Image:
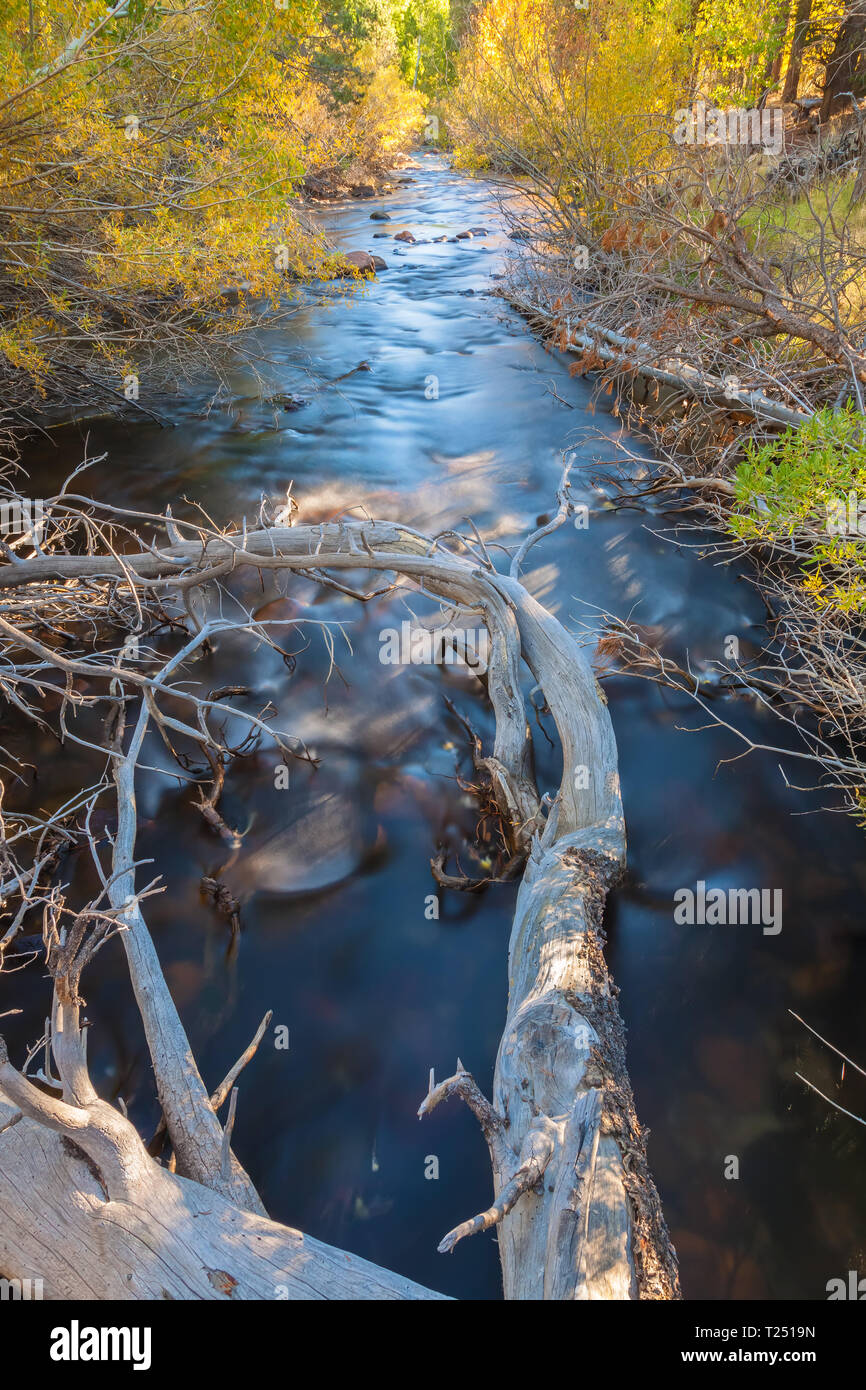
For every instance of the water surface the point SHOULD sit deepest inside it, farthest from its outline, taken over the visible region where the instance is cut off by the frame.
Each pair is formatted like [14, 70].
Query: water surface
[462, 413]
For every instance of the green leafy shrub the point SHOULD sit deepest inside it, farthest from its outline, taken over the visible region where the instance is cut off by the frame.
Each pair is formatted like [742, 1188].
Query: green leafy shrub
[806, 491]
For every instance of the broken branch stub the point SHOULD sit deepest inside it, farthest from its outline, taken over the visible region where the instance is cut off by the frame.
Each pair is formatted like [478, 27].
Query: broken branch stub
[577, 1212]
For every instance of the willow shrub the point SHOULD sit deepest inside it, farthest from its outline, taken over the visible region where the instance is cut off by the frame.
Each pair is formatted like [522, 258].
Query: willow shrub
[148, 158]
[549, 87]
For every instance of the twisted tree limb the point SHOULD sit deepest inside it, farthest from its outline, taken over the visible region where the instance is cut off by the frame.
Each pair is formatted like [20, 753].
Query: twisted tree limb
[577, 1212]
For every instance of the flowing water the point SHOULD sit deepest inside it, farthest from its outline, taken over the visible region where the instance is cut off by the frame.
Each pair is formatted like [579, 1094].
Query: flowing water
[459, 412]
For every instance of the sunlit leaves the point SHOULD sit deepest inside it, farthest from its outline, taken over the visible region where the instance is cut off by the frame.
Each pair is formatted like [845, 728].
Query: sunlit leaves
[149, 161]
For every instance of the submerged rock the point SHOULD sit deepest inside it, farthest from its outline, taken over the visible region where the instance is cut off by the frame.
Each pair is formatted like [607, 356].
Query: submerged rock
[318, 841]
[286, 401]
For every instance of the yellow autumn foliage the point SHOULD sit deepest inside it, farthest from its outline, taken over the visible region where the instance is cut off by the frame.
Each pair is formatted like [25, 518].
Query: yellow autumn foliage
[150, 160]
[546, 85]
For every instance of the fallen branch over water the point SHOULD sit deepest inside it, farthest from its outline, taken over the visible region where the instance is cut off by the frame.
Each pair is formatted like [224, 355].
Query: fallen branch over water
[579, 1215]
[813, 659]
[630, 357]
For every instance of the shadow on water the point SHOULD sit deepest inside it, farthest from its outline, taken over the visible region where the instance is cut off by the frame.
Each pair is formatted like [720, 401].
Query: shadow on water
[456, 417]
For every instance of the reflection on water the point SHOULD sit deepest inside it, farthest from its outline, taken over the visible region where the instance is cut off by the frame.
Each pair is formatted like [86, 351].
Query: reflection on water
[333, 873]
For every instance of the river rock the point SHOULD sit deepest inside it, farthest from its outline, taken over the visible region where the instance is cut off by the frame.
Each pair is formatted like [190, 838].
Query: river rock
[363, 261]
[312, 844]
[233, 294]
[404, 236]
[282, 610]
[364, 190]
[319, 188]
[286, 401]
[380, 216]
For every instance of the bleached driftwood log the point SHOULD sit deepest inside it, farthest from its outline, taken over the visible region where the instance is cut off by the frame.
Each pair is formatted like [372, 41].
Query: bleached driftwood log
[86, 1209]
[634, 358]
[579, 1215]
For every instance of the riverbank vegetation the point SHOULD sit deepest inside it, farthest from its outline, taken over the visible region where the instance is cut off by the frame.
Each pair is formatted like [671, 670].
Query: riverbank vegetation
[158, 168]
[152, 162]
[696, 234]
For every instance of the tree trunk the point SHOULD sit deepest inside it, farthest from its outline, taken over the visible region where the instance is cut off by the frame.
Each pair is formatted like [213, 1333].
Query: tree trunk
[164, 1237]
[843, 67]
[802, 18]
[86, 1208]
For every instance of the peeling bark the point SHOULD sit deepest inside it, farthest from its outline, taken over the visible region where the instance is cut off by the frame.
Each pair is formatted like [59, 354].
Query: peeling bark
[88, 1209]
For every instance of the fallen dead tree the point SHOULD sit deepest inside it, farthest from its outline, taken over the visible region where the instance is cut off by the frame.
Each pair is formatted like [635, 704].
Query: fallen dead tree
[708, 389]
[84, 1205]
[614, 353]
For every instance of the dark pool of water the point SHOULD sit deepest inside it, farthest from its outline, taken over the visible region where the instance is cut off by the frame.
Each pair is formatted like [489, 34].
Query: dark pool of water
[334, 873]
